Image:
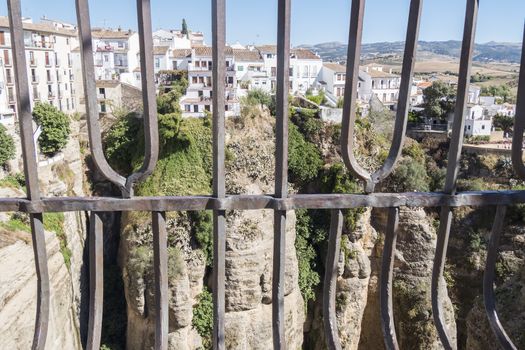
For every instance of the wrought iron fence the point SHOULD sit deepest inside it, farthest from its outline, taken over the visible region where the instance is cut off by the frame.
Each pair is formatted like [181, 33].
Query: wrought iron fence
[280, 202]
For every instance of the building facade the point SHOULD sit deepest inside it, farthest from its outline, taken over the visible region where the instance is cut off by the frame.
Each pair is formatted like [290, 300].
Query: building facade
[50, 66]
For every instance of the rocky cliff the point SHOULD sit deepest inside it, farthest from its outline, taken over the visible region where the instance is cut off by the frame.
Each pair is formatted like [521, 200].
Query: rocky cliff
[65, 236]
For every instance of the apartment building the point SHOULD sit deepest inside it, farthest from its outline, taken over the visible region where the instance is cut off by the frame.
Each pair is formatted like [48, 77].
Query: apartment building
[250, 70]
[198, 99]
[375, 80]
[305, 67]
[50, 66]
[116, 54]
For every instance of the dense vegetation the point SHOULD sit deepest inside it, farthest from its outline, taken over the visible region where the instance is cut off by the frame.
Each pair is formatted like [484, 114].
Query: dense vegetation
[55, 128]
[7, 146]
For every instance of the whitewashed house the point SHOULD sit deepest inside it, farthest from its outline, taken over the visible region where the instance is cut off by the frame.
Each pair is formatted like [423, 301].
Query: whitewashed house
[383, 84]
[198, 98]
[250, 71]
[476, 122]
[305, 67]
[116, 54]
[50, 66]
[333, 79]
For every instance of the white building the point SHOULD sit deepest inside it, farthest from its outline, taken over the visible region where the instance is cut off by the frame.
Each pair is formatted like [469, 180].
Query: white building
[305, 67]
[373, 81]
[176, 40]
[476, 122]
[198, 99]
[116, 54]
[50, 66]
[333, 79]
[250, 71]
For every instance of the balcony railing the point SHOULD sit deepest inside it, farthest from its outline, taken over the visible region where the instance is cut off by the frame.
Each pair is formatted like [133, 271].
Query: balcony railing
[35, 79]
[280, 202]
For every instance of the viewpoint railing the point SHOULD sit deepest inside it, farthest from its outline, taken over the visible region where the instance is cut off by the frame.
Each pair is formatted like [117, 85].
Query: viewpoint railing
[280, 202]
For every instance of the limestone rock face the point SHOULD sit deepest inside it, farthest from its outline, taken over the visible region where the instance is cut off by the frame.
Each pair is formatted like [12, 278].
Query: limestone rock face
[249, 247]
[18, 296]
[412, 283]
[510, 296]
[61, 176]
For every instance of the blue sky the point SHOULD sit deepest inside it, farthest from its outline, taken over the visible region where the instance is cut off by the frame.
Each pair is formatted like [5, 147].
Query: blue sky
[313, 21]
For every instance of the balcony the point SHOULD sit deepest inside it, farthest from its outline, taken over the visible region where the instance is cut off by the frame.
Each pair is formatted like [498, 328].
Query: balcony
[69, 63]
[51, 95]
[7, 62]
[42, 44]
[36, 96]
[33, 62]
[34, 79]
[48, 63]
[9, 80]
[58, 63]
[50, 80]
[11, 99]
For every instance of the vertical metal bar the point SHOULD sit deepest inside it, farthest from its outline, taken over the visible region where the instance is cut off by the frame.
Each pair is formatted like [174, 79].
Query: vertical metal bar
[219, 188]
[349, 105]
[519, 120]
[454, 156]
[160, 257]
[30, 171]
[281, 170]
[96, 281]
[90, 94]
[488, 281]
[330, 281]
[387, 272]
[151, 134]
[407, 73]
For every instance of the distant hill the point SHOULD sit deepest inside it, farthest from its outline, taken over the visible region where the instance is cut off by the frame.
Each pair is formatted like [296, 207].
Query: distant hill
[488, 52]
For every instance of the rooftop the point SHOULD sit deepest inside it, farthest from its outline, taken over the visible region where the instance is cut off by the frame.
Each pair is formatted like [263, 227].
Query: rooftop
[336, 67]
[111, 33]
[40, 27]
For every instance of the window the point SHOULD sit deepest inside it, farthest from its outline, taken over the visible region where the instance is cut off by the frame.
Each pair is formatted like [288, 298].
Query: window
[240, 68]
[157, 62]
[106, 58]
[48, 74]
[187, 108]
[196, 108]
[2, 38]
[48, 60]
[269, 55]
[483, 127]
[175, 65]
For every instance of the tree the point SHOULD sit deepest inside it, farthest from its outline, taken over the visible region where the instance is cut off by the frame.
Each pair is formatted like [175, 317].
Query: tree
[503, 122]
[439, 100]
[7, 146]
[184, 30]
[501, 91]
[55, 126]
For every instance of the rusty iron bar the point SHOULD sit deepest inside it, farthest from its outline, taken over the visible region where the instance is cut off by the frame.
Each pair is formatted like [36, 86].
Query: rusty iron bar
[160, 263]
[219, 173]
[387, 274]
[488, 281]
[96, 281]
[349, 108]
[256, 202]
[454, 156]
[88, 74]
[519, 120]
[30, 172]
[281, 171]
[330, 281]
[148, 97]
[349, 103]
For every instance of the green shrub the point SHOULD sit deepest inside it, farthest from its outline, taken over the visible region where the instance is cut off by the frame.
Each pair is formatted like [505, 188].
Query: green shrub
[55, 128]
[7, 146]
[54, 222]
[202, 320]
[258, 97]
[318, 99]
[409, 176]
[122, 142]
[201, 227]
[306, 256]
[15, 181]
[308, 122]
[304, 160]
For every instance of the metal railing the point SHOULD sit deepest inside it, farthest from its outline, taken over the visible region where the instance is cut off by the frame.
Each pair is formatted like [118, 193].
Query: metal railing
[280, 202]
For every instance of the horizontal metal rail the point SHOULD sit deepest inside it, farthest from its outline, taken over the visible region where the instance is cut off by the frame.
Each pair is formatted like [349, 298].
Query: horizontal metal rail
[256, 202]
